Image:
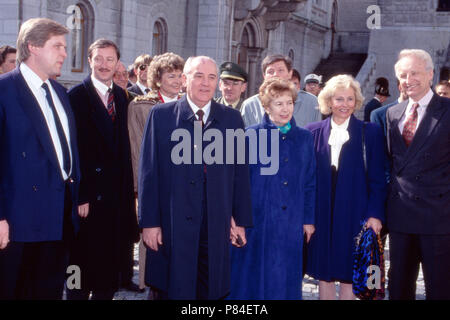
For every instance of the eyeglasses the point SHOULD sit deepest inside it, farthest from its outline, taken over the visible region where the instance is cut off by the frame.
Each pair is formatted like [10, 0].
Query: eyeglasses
[142, 67]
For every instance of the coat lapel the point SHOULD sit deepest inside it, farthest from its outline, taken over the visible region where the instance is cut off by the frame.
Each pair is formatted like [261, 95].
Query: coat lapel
[32, 109]
[433, 114]
[100, 116]
[395, 136]
[214, 114]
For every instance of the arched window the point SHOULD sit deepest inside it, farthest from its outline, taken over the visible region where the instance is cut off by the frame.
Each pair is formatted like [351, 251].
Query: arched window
[247, 41]
[80, 23]
[291, 55]
[159, 41]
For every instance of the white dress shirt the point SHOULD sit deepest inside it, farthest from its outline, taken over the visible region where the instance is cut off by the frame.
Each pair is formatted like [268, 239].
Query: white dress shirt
[423, 103]
[35, 83]
[206, 109]
[102, 89]
[338, 136]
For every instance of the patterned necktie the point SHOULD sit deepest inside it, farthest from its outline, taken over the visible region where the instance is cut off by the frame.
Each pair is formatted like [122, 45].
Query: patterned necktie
[59, 129]
[110, 106]
[200, 114]
[410, 125]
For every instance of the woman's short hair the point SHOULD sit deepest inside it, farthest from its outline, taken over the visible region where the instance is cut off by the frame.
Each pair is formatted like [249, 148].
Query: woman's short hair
[342, 81]
[167, 62]
[273, 88]
[37, 32]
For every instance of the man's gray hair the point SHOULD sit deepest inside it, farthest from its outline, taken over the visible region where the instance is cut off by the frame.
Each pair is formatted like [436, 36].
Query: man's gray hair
[188, 65]
[419, 54]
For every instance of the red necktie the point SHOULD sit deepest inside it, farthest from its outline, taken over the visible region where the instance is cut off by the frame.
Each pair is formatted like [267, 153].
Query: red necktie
[110, 106]
[410, 125]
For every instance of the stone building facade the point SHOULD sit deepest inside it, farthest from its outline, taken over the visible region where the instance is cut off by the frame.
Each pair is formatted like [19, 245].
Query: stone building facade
[243, 31]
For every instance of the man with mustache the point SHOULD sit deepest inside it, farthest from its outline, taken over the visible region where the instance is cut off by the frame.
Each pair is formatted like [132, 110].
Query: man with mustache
[106, 204]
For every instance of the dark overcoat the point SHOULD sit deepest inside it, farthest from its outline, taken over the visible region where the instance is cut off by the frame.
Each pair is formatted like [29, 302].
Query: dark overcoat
[270, 265]
[419, 192]
[170, 197]
[106, 184]
[358, 197]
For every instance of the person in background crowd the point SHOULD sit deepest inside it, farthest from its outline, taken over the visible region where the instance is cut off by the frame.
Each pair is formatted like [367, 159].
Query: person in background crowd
[443, 89]
[132, 78]
[140, 69]
[7, 59]
[121, 79]
[296, 79]
[39, 167]
[106, 205]
[270, 265]
[313, 84]
[418, 210]
[349, 189]
[164, 77]
[186, 209]
[305, 108]
[232, 84]
[381, 94]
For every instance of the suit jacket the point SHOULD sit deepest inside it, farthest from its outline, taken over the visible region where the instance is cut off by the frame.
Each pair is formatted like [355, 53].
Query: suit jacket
[170, 197]
[136, 90]
[370, 106]
[31, 184]
[106, 184]
[378, 116]
[419, 192]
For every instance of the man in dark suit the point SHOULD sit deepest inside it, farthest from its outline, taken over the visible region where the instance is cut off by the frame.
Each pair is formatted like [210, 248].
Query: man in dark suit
[106, 203]
[232, 84]
[418, 206]
[39, 169]
[141, 69]
[381, 94]
[186, 209]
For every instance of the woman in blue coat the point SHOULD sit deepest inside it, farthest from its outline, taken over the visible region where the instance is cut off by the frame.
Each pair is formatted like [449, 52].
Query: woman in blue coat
[351, 187]
[270, 265]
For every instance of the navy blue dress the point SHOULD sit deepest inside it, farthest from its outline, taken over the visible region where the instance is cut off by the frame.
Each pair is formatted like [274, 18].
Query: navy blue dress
[356, 198]
[270, 265]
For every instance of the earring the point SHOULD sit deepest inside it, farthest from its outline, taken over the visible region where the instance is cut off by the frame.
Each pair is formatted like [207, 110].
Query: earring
[158, 84]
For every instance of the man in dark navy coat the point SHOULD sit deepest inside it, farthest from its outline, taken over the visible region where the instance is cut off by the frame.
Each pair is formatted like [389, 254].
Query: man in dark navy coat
[106, 203]
[186, 209]
[381, 94]
[418, 205]
[39, 170]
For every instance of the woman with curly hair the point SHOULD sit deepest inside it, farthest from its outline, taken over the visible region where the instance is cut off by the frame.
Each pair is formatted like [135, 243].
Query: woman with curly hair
[164, 77]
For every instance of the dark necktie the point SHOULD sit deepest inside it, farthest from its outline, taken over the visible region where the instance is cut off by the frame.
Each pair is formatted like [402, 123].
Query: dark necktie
[200, 114]
[410, 125]
[59, 129]
[110, 106]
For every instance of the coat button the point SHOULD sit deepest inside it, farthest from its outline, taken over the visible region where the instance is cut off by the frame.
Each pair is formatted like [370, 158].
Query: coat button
[286, 159]
[35, 188]
[284, 207]
[283, 137]
[24, 154]
[99, 197]
[192, 182]
[417, 177]
[285, 183]
[98, 169]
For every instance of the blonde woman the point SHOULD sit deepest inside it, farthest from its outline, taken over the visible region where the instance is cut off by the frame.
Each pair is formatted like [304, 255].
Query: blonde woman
[350, 185]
